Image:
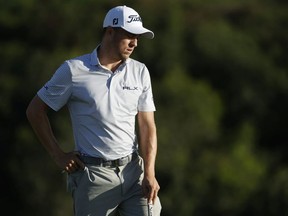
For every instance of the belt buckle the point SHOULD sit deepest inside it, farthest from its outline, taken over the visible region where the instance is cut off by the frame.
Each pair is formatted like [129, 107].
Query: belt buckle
[121, 161]
[116, 163]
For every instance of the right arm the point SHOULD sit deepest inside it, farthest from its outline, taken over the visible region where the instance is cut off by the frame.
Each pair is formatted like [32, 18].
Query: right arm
[38, 118]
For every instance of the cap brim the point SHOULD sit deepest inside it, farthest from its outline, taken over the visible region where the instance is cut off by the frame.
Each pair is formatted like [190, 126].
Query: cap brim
[141, 31]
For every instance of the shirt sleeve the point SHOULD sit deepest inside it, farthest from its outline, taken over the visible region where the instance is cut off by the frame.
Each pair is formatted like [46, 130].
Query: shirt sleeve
[57, 91]
[146, 102]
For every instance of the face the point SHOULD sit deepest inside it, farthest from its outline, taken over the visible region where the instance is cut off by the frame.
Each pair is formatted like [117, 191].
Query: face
[123, 43]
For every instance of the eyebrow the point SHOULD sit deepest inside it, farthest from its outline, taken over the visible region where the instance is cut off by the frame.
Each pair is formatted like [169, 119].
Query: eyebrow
[128, 34]
[131, 35]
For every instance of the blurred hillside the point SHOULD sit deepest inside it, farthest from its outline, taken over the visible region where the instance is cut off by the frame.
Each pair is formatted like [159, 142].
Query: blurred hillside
[220, 81]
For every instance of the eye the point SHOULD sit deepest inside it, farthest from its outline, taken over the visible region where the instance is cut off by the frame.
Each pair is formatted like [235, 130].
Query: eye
[132, 36]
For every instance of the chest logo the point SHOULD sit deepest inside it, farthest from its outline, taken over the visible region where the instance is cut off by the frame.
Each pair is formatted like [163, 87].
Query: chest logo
[130, 88]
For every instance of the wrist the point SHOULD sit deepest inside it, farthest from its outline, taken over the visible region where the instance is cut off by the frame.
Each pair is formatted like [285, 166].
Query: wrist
[149, 173]
[56, 154]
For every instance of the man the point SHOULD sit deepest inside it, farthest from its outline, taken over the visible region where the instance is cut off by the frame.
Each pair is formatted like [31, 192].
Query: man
[105, 91]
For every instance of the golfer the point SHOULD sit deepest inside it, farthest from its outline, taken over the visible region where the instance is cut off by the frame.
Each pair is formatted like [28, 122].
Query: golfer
[111, 171]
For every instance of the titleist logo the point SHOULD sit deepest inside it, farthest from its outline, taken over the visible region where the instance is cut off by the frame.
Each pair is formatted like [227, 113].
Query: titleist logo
[134, 18]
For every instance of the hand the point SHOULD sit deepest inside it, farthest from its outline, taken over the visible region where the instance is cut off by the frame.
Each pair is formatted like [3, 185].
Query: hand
[70, 162]
[150, 188]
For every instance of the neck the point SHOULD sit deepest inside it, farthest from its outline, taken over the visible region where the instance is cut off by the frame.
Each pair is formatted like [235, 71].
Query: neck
[107, 60]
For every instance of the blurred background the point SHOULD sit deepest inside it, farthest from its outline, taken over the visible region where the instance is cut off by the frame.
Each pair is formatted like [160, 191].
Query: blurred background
[220, 80]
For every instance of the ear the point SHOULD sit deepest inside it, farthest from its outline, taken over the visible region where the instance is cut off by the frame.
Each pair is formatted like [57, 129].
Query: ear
[109, 31]
[110, 34]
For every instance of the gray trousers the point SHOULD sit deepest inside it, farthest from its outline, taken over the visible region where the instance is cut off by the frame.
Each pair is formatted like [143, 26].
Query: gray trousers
[110, 191]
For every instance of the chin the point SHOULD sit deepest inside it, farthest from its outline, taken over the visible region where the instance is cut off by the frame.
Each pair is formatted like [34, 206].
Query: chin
[125, 57]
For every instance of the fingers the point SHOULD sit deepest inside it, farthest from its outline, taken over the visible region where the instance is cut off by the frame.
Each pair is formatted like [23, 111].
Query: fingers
[153, 195]
[150, 190]
[74, 163]
[71, 166]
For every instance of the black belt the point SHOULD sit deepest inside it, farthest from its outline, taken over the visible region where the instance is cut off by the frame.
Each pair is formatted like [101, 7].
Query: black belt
[108, 163]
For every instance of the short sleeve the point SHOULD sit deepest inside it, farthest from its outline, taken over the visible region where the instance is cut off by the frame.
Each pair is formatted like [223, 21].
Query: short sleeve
[57, 91]
[146, 102]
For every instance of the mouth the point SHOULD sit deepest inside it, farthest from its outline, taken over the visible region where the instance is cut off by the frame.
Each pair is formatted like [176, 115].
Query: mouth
[130, 50]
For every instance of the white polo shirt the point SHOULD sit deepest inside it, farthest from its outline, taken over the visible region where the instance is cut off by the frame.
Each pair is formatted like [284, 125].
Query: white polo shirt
[102, 104]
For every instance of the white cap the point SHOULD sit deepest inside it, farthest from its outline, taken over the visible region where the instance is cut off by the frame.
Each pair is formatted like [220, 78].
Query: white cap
[127, 19]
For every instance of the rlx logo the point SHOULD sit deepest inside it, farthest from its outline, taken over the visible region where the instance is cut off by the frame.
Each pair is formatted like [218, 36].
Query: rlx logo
[130, 88]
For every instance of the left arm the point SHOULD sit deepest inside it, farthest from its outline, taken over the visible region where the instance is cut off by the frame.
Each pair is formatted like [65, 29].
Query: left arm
[148, 150]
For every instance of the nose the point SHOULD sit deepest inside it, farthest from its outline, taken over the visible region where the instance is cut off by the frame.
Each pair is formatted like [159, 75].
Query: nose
[134, 42]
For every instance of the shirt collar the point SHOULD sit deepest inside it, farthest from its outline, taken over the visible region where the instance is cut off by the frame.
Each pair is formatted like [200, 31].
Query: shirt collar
[94, 60]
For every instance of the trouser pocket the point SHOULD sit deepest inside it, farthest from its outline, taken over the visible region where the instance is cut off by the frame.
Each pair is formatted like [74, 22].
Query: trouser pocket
[74, 179]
